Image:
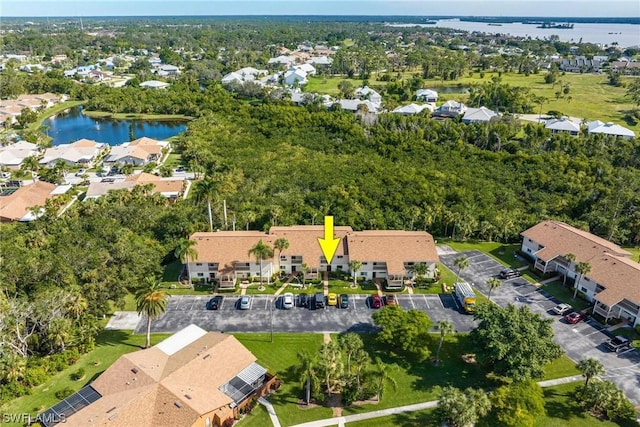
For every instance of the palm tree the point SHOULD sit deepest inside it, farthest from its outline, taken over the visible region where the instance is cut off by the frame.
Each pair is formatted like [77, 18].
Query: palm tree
[185, 251]
[304, 269]
[382, 376]
[307, 369]
[30, 164]
[261, 251]
[152, 302]
[280, 245]
[590, 368]
[355, 266]
[351, 343]
[493, 283]
[419, 269]
[204, 191]
[583, 268]
[571, 258]
[461, 262]
[445, 327]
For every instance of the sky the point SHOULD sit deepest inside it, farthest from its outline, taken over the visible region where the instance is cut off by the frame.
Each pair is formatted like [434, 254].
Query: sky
[572, 8]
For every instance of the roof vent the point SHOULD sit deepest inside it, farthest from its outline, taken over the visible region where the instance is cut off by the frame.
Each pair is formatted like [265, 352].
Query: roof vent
[178, 404]
[134, 370]
[111, 410]
[187, 396]
[113, 417]
[206, 356]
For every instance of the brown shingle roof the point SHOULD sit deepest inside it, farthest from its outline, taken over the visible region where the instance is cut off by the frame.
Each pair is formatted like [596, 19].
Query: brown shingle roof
[393, 247]
[190, 377]
[15, 206]
[560, 239]
[619, 275]
[303, 241]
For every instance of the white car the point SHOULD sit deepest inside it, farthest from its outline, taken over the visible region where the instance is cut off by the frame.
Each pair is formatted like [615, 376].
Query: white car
[287, 301]
[562, 309]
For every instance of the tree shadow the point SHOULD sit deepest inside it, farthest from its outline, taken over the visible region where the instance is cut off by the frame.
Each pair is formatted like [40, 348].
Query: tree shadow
[109, 337]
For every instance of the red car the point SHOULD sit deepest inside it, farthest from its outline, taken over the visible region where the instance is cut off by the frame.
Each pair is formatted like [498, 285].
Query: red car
[575, 317]
[376, 301]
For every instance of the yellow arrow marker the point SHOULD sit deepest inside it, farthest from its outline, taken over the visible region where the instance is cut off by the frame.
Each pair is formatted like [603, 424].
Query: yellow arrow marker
[329, 245]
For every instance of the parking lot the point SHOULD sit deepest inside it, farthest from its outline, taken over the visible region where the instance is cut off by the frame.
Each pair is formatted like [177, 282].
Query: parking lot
[582, 340]
[183, 310]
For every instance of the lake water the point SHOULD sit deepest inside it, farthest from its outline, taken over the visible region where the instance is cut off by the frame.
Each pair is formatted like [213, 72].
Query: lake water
[73, 125]
[625, 35]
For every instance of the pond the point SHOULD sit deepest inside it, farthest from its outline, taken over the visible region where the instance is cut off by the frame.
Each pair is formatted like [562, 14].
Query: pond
[72, 125]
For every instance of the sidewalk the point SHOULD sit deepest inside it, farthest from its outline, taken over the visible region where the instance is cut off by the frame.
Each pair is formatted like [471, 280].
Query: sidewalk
[341, 421]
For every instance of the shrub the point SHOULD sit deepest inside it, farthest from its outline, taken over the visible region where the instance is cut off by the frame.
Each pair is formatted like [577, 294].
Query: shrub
[64, 393]
[78, 375]
[35, 375]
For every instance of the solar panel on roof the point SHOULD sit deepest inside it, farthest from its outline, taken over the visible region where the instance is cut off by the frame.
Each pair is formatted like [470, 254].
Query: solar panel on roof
[59, 412]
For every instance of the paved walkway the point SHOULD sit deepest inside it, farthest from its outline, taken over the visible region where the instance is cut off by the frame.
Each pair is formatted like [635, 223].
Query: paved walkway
[340, 421]
[285, 284]
[325, 282]
[272, 412]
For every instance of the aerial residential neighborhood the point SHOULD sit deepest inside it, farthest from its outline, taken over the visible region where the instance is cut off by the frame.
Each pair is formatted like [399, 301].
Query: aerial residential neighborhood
[258, 214]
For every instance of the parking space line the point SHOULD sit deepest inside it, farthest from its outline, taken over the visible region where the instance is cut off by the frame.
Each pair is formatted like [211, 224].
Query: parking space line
[355, 297]
[425, 300]
[440, 301]
[412, 303]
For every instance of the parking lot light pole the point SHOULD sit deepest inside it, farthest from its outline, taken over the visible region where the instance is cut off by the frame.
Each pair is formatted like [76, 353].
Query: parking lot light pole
[271, 317]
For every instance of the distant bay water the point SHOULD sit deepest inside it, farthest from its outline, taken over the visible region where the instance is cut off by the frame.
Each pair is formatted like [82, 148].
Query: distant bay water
[626, 35]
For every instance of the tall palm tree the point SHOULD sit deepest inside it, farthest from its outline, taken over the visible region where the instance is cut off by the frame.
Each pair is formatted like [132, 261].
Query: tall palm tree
[261, 251]
[583, 268]
[152, 302]
[571, 258]
[307, 369]
[304, 269]
[493, 283]
[445, 327]
[590, 368]
[382, 376]
[204, 190]
[30, 164]
[355, 266]
[461, 262]
[351, 343]
[185, 251]
[280, 245]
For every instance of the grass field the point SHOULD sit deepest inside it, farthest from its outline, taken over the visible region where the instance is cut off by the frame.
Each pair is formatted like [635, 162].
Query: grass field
[52, 112]
[565, 294]
[592, 98]
[109, 346]
[502, 252]
[635, 251]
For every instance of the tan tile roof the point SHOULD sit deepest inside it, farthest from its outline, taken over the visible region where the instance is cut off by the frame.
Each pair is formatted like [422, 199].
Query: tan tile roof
[619, 275]
[191, 377]
[84, 143]
[227, 247]
[393, 247]
[144, 141]
[15, 206]
[303, 241]
[560, 239]
[162, 186]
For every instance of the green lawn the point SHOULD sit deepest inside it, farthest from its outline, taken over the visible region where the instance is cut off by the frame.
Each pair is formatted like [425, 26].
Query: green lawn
[446, 276]
[500, 251]
[635, 251]
[109, 346]
[592, 98]
[565, 294]
[52, 112]
[562, 411]
[173, 160]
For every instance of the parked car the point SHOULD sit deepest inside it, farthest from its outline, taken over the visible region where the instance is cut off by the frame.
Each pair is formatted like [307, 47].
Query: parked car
[391, 299]
[376, 301]
[245, 302]
[214, 303]
[509, 273]
[287, 301]
[617, 344]
[332, 299]
[303, 300]
[344, 301]
[562, 309]
[319, 300]
[80, 172]
[575, 317]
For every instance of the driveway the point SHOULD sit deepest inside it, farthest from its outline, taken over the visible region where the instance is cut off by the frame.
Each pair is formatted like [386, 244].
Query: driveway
[183, 310]
[583, 340]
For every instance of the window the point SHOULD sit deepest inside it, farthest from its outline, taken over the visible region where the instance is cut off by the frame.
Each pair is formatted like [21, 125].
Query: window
[211, 264]
[340, 257]
[198, 264]
[283, 257]
[365, 263]
[583, 289]
[200, 274]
